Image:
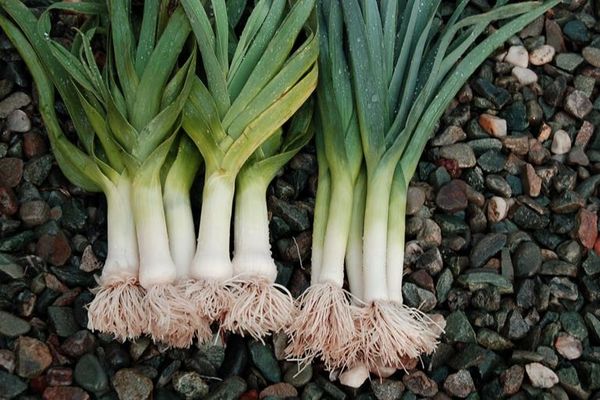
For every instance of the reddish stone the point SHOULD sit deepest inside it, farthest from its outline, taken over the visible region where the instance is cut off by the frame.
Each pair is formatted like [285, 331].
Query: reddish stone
[451, 166]
[38, 384]
[67, 298]
[532, 183]
[585, 134]
[11, 171]
[33, 357]
[54, 249]
[34, 145]
[587, 228]
[8, 201]
[452, 197]
[59, 376]
[597, 246]
[79, 343]
[279, 390]
[250, 395]
[423, 279]
[65, 393]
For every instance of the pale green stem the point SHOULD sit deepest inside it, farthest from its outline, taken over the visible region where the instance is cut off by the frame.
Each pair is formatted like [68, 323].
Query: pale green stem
[252, 249]
[375, 236]
[396, 229]
[156, 265]
[338, 228]
[180, 226]
[122, 259]
[320, 221]
[354, 250]
[212, 260]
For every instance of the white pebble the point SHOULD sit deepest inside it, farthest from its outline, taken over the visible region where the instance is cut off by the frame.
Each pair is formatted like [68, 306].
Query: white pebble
[568, 347]
[518, 56]
[525, 76]
[18, 121]
[541, 376]
[542, 55]
[497, 209]
[561, 143]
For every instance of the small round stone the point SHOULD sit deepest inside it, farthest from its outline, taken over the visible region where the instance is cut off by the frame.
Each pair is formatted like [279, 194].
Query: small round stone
[18, 121]
[541, 376]
[592, 56]
[497, 209]
[525, 76]
[518, 56]
[542, 55]
[493, 125]
[569, 347]
[561, 143]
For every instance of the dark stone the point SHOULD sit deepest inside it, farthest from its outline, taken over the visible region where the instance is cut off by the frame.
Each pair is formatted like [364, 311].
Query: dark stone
[263, 358]
[79, 343]
[90, 375]
[236, 357]
[497, 95]
[486, 248]
[10, 385]
[459, 329]
[515, 327]
[12, 326]
[62, 320]
[527, 259]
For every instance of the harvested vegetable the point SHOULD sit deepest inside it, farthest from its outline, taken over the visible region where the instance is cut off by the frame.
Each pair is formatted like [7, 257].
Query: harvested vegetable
[236, 106]
[126, 117]
[396, 67]
[262, 307]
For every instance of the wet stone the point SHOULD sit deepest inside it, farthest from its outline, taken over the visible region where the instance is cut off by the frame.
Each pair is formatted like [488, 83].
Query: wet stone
[190, 385]
[33, 357]
[131, 384]
[90, 375]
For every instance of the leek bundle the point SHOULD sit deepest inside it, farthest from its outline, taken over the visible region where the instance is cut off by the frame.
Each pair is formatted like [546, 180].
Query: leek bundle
[127, 118]
[388, 71]
[235, 113]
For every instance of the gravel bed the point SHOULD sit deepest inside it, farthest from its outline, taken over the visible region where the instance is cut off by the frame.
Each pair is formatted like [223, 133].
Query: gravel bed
[502, 240]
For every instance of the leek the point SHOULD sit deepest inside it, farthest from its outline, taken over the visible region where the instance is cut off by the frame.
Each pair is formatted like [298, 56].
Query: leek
[126, 118]
[261, 307]
[235, 107]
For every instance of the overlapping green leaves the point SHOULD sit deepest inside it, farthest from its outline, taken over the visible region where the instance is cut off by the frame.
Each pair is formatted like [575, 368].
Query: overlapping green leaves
[236, 105]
